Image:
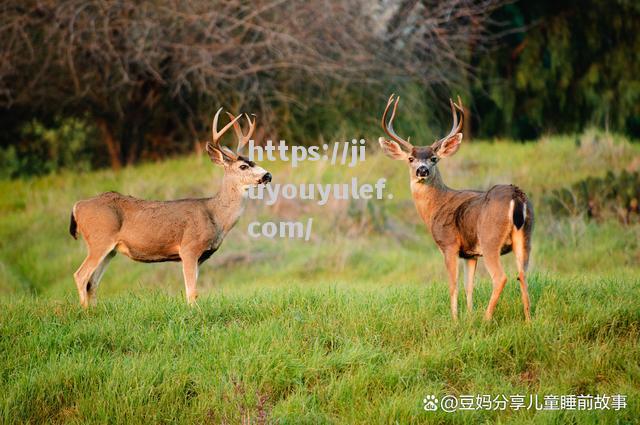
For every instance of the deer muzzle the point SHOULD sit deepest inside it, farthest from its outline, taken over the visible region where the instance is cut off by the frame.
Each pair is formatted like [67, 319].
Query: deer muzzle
[266, 178]
[422, 171]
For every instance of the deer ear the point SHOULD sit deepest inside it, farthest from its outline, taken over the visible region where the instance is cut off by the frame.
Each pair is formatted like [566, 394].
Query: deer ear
[392, 149]
[215, 154]
[448, 146]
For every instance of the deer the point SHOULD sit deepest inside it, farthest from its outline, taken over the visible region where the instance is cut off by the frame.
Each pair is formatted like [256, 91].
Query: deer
[184, 230]
[465, 224]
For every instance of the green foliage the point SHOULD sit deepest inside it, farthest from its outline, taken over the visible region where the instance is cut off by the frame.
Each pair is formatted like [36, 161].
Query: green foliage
[43, 149]
[600, 197]
[614, 195]
[353, 111]
[572, 66]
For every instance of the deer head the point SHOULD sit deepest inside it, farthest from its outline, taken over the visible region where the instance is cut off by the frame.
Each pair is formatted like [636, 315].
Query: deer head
[421, 160]
[238, 170]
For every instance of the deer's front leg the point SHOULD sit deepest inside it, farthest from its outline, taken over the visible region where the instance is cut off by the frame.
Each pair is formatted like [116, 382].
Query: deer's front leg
[190, 273]
[451, 261]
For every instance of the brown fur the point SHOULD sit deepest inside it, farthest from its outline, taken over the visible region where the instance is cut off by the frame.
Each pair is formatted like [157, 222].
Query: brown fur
[470, 224]
[186, 230]
[466, 223]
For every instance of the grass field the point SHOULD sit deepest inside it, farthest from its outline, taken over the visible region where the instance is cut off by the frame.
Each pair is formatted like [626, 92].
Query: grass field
[350, 327]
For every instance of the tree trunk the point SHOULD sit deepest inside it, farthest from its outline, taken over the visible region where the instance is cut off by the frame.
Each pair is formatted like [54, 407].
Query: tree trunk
[113, 145]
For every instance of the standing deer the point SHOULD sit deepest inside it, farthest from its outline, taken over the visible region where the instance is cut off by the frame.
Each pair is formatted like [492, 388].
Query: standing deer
[187, 230]
[465, 223]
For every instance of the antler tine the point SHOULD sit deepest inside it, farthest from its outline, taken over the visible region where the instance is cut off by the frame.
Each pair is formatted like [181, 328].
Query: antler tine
[243, 139]
[457, 125]
[388, 126]
[460, 108]
[252, 125]
[216, 135]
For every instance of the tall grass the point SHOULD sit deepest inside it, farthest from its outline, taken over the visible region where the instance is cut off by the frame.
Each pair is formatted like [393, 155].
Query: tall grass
[312, 355]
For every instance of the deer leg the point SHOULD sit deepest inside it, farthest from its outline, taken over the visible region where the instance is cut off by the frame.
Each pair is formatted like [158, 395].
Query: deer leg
[94, 281]
[190, 273]
[492, 261]
[83, 275]
[470, 272]
[525, 295]
[521, 260]
[451, 261]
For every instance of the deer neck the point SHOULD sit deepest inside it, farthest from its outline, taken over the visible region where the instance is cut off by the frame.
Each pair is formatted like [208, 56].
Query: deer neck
[430, 195]
[227, 206]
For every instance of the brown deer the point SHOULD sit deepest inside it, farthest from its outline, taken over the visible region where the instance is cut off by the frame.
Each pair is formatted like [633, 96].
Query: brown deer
[465, 223]
[187, 230]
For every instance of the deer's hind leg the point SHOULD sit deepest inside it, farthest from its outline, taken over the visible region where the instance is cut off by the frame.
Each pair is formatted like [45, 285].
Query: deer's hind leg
[492, 236]
[89, 271]
[499, 278]
[522, 259]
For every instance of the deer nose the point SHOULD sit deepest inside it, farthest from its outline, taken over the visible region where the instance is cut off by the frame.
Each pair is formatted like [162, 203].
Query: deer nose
[422, 171]
[266, 178]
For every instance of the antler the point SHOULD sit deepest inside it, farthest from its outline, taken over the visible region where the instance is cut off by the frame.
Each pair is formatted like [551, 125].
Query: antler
[216, 135]
[456, 126]
[460, 108]
[243, 139]
[388, 127]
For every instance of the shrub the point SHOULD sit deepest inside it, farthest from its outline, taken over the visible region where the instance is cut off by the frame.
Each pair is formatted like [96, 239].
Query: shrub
[599, 198]
[67, 143]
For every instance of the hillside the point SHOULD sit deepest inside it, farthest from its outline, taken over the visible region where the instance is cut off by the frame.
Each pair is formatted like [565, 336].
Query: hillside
[351, 326]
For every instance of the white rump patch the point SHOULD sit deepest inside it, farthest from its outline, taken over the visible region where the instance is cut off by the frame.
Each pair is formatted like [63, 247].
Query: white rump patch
[512, 205]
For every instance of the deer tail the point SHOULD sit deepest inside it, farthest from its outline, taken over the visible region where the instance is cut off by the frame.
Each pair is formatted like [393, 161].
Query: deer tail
[73, 225]
[519, 213]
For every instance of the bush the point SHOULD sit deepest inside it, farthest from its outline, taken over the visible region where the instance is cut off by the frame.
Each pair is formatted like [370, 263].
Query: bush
[611, 196]
[67, 143]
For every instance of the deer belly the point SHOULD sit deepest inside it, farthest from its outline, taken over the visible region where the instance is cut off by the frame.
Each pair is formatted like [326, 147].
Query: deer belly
[475, 251]
[147, 254]
[470, 249]
[469, 253]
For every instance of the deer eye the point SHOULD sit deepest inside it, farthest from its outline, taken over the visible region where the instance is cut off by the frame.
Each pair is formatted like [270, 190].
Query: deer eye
[434, 159]
[244, 166]
[411, 159]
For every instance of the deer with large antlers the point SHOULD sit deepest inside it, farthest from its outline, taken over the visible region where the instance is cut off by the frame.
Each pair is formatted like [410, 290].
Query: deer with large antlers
[465, 223]
[187, 230]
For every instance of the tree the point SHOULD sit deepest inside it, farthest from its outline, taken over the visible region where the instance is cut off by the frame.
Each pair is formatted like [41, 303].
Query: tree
[572, 64]
[150, 74]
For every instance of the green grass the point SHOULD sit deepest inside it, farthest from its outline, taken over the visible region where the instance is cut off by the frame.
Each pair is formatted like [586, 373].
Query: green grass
[351, 327]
